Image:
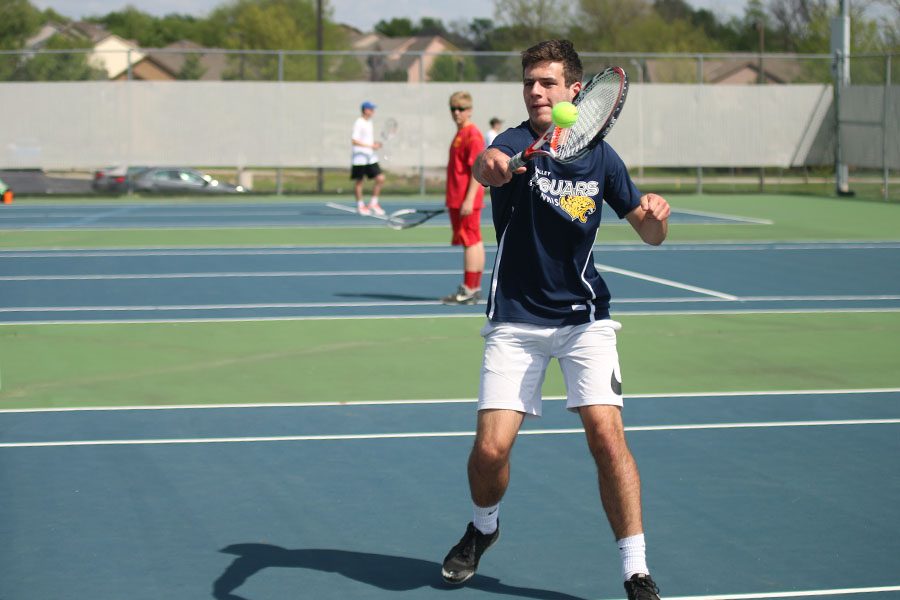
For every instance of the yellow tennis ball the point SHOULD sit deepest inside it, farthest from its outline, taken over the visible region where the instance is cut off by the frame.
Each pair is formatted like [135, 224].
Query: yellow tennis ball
[564, 114]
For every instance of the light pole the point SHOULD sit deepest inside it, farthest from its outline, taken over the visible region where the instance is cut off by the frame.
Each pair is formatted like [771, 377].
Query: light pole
[840, 50]
[320, 74]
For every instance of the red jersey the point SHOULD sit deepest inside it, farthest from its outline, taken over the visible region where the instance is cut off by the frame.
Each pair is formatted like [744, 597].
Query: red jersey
[466, 147]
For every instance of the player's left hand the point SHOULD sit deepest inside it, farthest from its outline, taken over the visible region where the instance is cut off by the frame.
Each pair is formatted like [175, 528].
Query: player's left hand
[655, 207]
[467, 207]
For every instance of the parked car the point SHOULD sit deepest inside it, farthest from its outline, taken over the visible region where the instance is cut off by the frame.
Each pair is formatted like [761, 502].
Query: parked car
[171, 180]
[115, 180]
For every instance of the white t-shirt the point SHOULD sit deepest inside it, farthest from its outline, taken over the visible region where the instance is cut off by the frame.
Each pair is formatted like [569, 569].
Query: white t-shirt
[364, 131]
[489, 137]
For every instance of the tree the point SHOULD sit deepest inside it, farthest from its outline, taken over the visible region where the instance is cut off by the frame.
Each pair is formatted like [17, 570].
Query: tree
[152, 32]
[594, 31]
[18, 20]
[396, 27]
[279, 25]
[65, 66]
[429, 26]
[535, 20]
[403, 27]
[448, 67]
[191, 68]
[477, 32]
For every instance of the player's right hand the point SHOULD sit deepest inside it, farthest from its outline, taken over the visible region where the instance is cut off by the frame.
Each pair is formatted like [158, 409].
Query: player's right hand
[493, 168]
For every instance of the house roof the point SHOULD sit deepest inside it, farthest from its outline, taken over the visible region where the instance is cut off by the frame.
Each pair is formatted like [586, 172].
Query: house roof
[732, 71]
[172, 59]
[92, 31]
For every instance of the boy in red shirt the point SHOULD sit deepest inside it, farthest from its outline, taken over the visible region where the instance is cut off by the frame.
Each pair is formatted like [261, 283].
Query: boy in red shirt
[465, 199]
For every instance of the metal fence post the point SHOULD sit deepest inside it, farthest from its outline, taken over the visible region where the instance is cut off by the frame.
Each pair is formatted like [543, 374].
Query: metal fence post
[884, 127]
[279, 171]
[421, 138]
[700, 82]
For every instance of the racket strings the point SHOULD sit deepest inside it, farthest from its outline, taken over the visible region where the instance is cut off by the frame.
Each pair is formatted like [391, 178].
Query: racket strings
[389, 129]
[595, 105]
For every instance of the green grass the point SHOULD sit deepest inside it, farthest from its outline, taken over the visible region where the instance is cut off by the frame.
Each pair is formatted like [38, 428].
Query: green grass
[389, 359]
[794, 218]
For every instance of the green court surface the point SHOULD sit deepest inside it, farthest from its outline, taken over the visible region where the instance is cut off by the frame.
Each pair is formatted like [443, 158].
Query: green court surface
[405, 359]
[120, 364]
[793, 218]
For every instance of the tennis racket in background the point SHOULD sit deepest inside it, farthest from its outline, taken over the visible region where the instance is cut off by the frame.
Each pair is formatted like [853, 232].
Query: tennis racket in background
[411, 217]
[388, 132]
[401, 219]
[599, 103]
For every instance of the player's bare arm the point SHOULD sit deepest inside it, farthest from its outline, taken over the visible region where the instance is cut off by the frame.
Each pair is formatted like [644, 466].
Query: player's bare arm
[468, 204]
[651, 219]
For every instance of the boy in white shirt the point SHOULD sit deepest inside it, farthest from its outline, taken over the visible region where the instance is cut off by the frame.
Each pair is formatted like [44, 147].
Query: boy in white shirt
[364, 162]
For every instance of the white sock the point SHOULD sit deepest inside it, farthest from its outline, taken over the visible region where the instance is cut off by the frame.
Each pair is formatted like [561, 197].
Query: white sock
[632, 551]
[485, 519]
[374, 200]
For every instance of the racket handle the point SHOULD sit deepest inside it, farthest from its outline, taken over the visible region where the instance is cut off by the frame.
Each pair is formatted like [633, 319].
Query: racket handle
[515, 162]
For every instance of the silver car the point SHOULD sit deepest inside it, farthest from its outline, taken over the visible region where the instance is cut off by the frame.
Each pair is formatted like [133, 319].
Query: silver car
[174, 180]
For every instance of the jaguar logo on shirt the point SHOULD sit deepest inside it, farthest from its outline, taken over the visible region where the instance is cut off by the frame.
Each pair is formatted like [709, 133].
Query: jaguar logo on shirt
[575, 198]
[578, 207]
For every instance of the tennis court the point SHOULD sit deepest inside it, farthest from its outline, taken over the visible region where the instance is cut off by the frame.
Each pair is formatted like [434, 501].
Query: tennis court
[187, 411]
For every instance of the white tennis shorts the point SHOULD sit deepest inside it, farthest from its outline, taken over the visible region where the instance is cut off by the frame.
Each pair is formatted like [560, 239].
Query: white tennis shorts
[516, 357]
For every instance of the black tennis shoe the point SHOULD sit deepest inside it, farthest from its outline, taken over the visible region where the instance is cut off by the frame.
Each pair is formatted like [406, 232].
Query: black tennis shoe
[461, 562]
[641, 587]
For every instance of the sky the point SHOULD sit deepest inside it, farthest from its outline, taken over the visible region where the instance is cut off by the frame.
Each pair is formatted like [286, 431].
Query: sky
[362, 14]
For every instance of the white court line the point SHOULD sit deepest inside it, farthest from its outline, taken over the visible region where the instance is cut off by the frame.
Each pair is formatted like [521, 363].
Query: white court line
[179, 307]
[290, 251]
[714, 215]
[436, 248]
[667, 282]
[824, 298]
[437, 434]
[140, 213]
[636, 313]
[798, 594]
[351, 404]
[234, 274]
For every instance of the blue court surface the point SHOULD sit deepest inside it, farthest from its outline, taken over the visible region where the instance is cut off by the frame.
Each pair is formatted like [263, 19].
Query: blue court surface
[167, 214]
[752, 495]
[745, 496]
[308, 282]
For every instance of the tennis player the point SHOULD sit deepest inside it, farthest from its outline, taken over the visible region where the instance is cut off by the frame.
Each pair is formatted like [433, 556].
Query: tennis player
[364, 161]
[464, 199]
[547, 300]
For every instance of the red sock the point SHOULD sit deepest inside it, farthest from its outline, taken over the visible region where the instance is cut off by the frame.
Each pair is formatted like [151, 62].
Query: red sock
[473, 280]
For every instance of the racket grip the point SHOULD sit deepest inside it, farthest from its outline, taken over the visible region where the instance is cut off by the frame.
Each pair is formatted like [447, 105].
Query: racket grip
[515, 162]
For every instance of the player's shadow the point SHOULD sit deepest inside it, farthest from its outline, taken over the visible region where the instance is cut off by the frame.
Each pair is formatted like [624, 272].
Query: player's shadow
[391, 573]
[389, 297]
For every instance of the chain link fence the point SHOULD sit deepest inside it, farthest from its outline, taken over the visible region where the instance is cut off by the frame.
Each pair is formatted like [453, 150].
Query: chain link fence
[866, 127]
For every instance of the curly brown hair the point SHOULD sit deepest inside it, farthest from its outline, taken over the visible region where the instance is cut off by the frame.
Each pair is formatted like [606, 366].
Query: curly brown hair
[561, 51]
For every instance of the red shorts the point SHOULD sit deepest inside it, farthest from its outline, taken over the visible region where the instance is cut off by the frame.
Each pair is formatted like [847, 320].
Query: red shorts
[467, 229]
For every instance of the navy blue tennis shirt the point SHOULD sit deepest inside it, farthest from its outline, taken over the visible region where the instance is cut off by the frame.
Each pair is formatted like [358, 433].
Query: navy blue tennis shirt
[546, 222]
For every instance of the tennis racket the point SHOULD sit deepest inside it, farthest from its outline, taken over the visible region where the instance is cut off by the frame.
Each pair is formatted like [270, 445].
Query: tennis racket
[599, 103]
[411, 217]
[389, 129]
[388, 132]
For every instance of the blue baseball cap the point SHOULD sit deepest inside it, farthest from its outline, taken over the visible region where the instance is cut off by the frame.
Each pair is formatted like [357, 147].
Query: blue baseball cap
[367, 104]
